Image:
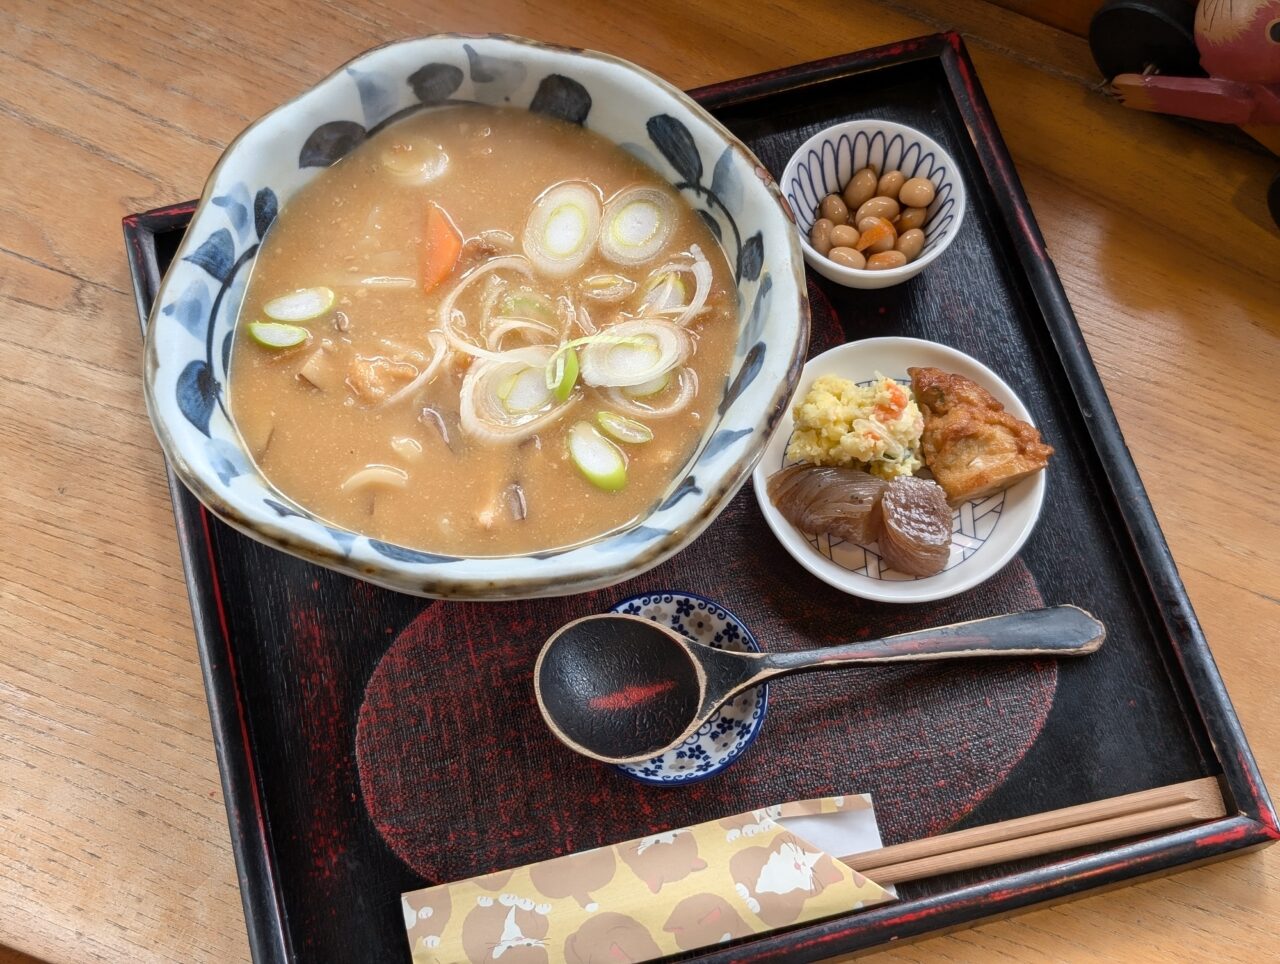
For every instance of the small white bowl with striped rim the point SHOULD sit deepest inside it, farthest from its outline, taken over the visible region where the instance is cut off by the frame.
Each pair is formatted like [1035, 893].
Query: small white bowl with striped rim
[827, 161]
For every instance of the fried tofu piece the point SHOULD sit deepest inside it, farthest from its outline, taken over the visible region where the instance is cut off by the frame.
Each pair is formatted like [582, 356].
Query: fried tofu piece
[970, 443]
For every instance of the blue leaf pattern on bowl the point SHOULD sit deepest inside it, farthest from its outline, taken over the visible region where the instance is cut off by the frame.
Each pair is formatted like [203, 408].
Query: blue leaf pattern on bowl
[688, 486]
[330, 143]
[751, 258]
[403, 554]
[236, 203]
[725, 182]
[285, 511]
[227, 459]
[265, 209]
[197, 393]
[746, 375]
[722, 440]
[495, 78]
[633, 536]
[562, 97]
[759, 309]
[435, 83]
[216, 255]
[675, 142]
[191, 308]
[377, 101]
[712, 224]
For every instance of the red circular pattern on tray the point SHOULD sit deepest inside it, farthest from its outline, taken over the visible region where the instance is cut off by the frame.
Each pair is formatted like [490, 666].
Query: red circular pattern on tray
[461, 777]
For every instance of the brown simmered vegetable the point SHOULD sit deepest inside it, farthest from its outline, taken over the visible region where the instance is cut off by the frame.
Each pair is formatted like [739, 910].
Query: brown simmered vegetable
[915, 536]
[829, 500]
[970, 443]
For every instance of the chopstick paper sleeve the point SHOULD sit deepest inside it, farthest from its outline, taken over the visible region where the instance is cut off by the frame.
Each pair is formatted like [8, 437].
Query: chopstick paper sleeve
[684, 889]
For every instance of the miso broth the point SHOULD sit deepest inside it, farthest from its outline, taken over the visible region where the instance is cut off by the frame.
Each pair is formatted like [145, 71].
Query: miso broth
[483, 332]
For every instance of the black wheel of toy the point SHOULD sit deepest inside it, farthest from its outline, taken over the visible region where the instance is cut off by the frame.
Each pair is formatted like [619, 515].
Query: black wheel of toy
[1130, 36]
[1273, 199]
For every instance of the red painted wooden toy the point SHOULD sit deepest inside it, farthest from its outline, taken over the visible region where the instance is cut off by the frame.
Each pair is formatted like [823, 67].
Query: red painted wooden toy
[1149, 48]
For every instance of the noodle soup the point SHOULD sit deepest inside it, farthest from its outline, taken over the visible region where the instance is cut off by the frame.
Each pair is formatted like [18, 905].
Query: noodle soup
[483, 332]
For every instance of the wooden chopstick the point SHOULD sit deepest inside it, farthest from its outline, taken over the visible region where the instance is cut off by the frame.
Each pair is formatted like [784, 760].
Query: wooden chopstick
[1043, 833]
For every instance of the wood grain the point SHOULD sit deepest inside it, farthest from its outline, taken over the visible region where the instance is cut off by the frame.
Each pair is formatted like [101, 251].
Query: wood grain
[113, 839]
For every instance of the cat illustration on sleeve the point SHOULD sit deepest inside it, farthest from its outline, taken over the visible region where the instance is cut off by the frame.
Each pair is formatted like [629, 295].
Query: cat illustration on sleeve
[610, 938]
[704, 920]
[575, 875]
[775, 881]
[426, 923]
[663, 858]
[511, 929]
[749, 824]
[494, 881]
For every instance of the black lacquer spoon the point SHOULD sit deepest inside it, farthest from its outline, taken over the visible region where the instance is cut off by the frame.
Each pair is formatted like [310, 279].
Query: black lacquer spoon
[621, 689]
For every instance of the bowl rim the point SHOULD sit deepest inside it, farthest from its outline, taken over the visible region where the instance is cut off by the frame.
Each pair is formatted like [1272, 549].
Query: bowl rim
[751, 645]
[431, 578]
[854, 277]
[861, 586]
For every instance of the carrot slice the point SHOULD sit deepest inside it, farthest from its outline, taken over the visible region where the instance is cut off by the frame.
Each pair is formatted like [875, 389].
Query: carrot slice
[875, 232]
[441, 248]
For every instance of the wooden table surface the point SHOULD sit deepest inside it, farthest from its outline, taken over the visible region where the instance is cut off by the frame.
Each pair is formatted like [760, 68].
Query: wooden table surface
[113, 837]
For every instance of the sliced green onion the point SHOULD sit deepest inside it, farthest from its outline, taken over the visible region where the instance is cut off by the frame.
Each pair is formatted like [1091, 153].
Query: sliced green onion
[526, 392]
[562, 228]
[663, 296]
[498, 398]
[555, 371]
[646, 348]
[382, 475]
[301, 305]
[599, 460]
[528, 305]
[272, 334]
[664, 291]
[607, 287]
[624, 429]
[637, 223]
[566, 366]
[651, 387]
[650, 405]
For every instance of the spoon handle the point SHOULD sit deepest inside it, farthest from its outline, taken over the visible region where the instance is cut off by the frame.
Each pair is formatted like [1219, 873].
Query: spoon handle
[1058, 631]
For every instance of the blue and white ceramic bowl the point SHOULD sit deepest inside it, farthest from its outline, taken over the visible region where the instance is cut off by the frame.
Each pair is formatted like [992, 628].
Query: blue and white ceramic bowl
[733, 727]
[826, 162]
[190, 330]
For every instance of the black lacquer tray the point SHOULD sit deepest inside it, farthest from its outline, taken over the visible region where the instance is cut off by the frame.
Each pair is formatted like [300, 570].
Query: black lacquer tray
[357, 763]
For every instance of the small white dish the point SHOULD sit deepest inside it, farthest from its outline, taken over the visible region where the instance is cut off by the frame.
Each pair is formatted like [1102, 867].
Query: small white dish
[986, 533]
[730, 729]
[827, 161]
